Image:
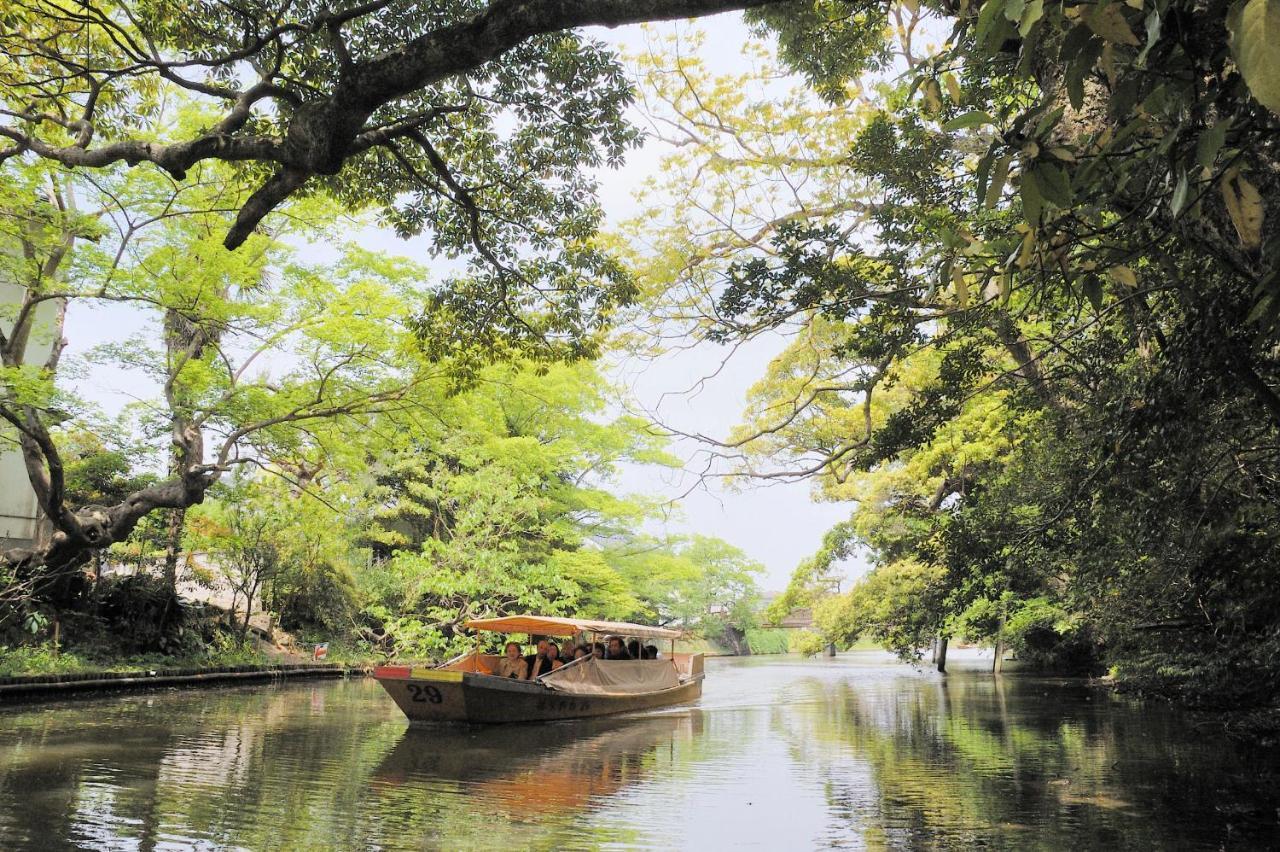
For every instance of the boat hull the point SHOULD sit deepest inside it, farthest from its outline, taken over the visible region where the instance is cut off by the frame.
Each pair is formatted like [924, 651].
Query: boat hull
[435, 695]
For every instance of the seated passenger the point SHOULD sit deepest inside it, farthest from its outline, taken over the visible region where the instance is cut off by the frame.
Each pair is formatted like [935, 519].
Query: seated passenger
[538, 663]
[581, 652]
[617, 651]
[553, 652]
[598, 650]
[633, 648]
[650, 652]
[511, 664]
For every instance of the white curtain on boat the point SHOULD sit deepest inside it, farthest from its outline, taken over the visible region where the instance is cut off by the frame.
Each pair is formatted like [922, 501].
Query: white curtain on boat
[614, 677]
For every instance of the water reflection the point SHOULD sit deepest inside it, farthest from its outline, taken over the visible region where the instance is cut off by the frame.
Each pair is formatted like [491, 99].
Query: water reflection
[515, 767]
[855, 753]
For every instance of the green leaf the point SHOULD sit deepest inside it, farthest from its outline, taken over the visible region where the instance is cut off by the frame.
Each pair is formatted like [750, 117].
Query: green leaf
[1075, 84]
[1180, 193]
[961, 284]
[1210, 143]
[944, 278]
[1032, 200]
[1259, 309]
[932, 96]
[999, 174]
[983, 173]
[1048, 121]
[953, 87]
[1074, 43]
[1153, 35]
[1108, 21]
[1054, 184]
[988, 17]
[1033, 13]
[1013, 10]
[1092, 289]
[974, 118]
[1255, 34]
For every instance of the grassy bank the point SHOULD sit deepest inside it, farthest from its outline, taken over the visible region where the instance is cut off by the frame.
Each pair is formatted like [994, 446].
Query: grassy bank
[47, 659]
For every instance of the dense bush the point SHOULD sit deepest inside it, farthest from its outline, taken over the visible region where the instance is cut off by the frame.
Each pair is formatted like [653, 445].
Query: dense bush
[141, 614]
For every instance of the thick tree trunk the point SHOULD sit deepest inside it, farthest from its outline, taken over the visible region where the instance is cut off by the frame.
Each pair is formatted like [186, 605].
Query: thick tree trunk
[942, 653]
[173, 547]
[94, 528]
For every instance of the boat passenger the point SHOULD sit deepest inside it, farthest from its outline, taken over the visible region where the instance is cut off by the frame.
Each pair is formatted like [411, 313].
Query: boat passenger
[649, 652]
[598, 650]
[511, 664]
[581, 651]
[537, 663]
[553, 654]
[617, 650]
[633, 648]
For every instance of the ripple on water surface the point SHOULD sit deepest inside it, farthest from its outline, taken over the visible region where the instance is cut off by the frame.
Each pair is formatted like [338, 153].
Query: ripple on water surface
[781, 753]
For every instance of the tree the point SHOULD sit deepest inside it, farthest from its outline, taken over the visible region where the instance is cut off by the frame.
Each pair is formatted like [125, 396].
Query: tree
[339, 82]
[475, 122]
[699, 583]
[256, 350]
[243, 530]
[502, 505]
[1055, 271]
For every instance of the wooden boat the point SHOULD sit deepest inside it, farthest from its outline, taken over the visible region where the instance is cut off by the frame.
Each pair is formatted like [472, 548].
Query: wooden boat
[464, 690]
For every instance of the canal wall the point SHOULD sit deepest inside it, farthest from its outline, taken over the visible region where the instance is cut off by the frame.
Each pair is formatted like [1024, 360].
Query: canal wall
[16, 689]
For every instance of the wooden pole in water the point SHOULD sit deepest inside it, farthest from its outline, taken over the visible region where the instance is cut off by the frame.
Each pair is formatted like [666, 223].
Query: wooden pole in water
[942, 654]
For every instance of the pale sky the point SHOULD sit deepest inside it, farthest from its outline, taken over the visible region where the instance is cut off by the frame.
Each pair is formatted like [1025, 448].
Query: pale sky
[777, 525]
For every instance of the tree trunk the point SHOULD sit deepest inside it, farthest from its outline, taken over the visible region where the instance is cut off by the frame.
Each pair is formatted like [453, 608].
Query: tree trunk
[249, 595]
[942, 653]
[173, 547]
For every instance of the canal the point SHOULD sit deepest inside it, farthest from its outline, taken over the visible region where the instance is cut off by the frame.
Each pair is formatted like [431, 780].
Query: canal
[781, 753]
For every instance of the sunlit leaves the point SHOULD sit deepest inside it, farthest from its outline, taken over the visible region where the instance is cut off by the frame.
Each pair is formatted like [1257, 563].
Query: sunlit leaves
[1255, 32]
[1108, 20]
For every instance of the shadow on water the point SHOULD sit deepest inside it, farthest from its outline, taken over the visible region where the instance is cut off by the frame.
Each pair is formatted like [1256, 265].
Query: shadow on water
[781, 753]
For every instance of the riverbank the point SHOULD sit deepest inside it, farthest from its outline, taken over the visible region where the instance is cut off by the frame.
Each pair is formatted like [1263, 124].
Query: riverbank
[21, 687]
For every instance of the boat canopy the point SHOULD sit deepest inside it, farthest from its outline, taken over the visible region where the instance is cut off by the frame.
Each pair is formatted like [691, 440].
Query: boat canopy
[548, 625]
[616, 677]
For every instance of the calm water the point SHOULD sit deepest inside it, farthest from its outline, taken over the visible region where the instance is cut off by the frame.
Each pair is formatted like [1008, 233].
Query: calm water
[780, 754]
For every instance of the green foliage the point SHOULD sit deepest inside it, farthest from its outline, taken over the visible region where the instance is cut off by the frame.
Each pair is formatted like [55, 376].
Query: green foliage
[1254, 26]
[891, 605]
[766, 641]
[1032, 319]
[816, 576]
[809, 643]
[143, 615]
[505, 508]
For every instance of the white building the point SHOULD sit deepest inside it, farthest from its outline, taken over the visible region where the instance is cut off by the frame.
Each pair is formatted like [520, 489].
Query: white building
[19, 514]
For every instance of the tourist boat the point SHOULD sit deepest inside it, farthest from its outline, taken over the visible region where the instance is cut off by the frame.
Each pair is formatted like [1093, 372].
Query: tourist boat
[464, 690]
